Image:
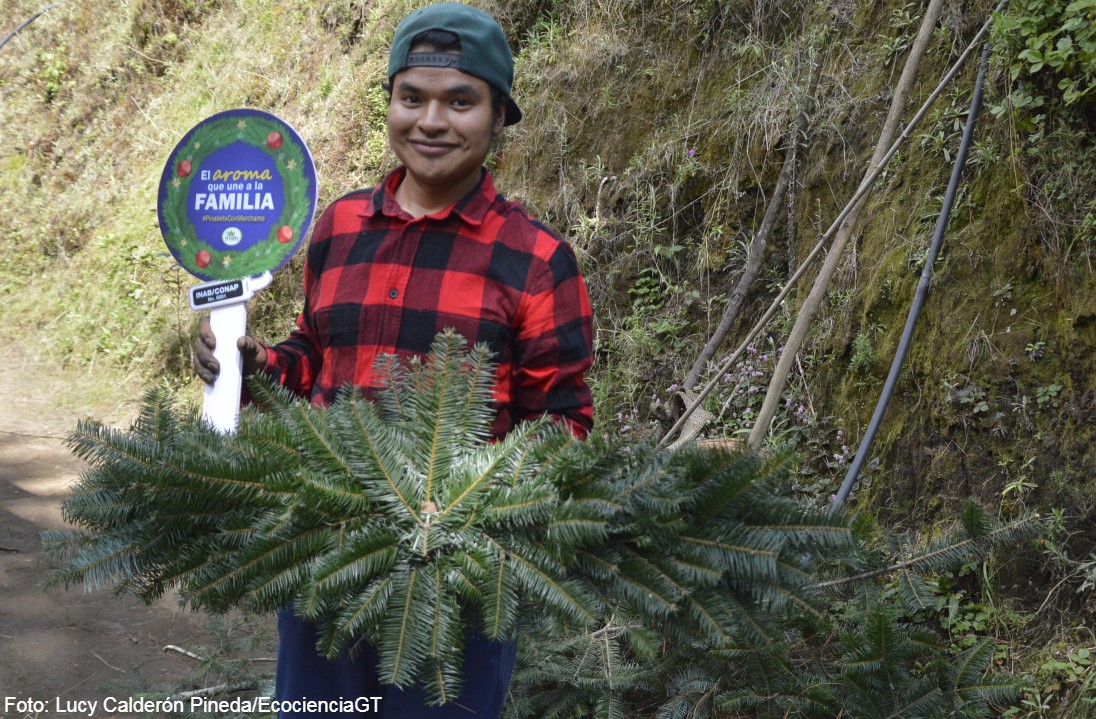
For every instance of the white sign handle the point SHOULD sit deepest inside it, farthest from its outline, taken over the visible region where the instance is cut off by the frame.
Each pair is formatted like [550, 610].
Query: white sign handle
[227, 304]
[221, 407]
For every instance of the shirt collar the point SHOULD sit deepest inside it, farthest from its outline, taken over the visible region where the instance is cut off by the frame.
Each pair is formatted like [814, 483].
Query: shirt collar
[472, 208]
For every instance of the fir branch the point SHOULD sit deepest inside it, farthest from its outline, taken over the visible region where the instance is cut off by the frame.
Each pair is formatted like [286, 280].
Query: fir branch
[406, 626]
[321, 446]
[710, 619]
[500, 598]
[922, 704]
[364, 554]
[951, 552]
[358, 617]
[535, 572]
[370, 433]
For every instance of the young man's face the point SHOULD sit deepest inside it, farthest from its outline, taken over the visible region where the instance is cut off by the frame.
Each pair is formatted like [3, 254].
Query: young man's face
[440, 125]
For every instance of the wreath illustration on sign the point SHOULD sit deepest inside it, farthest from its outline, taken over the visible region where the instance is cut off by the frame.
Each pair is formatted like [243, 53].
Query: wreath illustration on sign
[198, 257]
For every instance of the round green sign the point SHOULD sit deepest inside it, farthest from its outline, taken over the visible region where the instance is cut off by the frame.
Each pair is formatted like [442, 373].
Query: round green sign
[237, 195]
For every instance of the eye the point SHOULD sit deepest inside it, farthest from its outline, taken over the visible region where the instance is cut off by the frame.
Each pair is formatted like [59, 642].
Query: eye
[462, 103]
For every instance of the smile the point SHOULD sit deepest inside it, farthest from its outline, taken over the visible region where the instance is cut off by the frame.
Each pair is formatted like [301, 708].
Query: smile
[426, 148]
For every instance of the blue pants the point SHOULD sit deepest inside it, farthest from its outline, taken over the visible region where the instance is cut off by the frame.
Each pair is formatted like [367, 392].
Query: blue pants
[302, 673]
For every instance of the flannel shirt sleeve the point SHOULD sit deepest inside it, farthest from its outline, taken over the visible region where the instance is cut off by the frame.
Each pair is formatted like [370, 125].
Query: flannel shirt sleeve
[555, 344]
[296, 361]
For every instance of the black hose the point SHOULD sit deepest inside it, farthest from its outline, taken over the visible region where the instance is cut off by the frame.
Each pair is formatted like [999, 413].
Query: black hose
[920, 295]
[28, 21]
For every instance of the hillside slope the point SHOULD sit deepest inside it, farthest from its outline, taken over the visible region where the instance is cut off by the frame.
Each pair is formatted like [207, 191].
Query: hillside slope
[653, 136]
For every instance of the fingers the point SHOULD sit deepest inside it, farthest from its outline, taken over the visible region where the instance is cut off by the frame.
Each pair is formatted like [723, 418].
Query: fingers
[205, 364]
[253, 355]
[205, 332]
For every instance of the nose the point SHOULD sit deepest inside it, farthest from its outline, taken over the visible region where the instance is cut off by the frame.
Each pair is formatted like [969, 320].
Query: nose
[433, 118]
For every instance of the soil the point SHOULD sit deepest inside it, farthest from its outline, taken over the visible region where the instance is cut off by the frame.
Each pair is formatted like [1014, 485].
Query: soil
[68, 645]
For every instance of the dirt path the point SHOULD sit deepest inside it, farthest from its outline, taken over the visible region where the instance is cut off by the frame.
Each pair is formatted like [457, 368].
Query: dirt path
[68, 645]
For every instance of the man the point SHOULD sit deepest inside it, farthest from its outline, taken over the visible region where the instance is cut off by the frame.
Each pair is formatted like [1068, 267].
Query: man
[433, 246]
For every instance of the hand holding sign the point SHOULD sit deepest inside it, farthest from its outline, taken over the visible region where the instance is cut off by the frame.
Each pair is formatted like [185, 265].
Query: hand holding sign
[236, 198]
[206, 364]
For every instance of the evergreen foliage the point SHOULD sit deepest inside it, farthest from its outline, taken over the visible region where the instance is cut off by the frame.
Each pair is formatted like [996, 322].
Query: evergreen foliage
[873, 654]
[400, 522]
[681, 583]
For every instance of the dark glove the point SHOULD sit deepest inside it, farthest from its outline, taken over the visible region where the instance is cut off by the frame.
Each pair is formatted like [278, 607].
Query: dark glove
[206, 365]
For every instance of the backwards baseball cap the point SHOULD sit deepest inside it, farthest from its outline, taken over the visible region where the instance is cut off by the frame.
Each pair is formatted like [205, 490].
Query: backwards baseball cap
[484, 51]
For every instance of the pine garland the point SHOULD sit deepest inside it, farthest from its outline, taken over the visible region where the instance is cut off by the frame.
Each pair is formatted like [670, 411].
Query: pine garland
[207, 138]
[400, 522]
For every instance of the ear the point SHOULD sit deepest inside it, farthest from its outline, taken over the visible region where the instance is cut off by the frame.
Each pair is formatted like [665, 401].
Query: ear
[500, 122]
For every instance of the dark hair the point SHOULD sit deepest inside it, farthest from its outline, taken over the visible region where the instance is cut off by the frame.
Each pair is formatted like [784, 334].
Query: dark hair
[445, 41]
[437, 40]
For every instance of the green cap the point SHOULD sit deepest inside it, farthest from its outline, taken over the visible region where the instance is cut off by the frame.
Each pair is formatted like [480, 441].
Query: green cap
[484, 51]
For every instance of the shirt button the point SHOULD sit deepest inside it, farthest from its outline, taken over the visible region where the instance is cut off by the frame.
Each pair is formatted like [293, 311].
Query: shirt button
[393, 293]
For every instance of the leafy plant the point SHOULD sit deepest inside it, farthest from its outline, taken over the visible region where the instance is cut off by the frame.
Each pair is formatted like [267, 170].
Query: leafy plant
[1048, 395]
[1021, 483]
[942, 132]
[647, 292]
[52, 75]
[1051, 39]
[863, 353]
[973, 401]
[962, 618]
[1035, 350]
[903, 20]
[1074, 667]
[1002, 295]
[1065, 684]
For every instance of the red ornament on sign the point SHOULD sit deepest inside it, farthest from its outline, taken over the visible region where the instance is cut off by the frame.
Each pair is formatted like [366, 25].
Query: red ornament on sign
[285, 234]
[274, 140]
[183, 168]
[202, 258]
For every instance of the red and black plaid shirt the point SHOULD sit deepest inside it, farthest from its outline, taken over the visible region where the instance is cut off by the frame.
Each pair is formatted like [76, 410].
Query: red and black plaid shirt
[378, 282]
